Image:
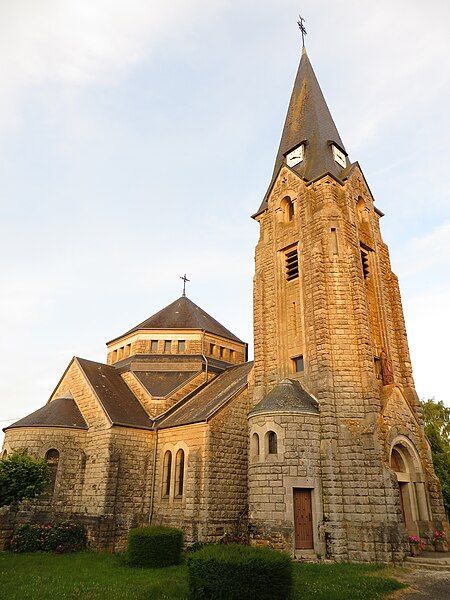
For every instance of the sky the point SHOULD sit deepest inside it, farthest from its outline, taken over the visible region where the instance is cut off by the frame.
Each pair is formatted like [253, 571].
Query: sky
[137, 137]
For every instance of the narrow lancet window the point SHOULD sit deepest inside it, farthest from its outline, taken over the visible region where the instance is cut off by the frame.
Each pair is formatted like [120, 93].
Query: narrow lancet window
[52, 460]
[255, 445]
[179, 473]
[167, 470]
[272, 442]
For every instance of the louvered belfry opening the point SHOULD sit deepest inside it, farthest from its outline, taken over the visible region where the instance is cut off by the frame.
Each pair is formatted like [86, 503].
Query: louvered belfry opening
[365, 263]
[291, 265]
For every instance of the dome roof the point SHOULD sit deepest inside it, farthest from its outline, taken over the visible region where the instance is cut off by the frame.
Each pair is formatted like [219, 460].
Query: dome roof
[287, 396]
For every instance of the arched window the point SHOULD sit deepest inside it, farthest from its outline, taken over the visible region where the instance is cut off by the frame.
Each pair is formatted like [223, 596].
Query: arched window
[52, 460]
[287, 207]
[167, 470]
[272, 442]
[179, 473]
[4, 454]
[254, 445]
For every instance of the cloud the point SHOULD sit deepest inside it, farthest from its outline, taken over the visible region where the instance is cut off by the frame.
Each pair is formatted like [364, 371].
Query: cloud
[428, 334]
[80, 42]
[427, 254]
[424, 274]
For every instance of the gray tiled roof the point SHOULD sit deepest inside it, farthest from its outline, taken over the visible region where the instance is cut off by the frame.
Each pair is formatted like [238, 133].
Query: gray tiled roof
[209, 399]
[183, 314]
[116, 398]
[60, 412]
[287, 396]
[163, 383]
[308, 120]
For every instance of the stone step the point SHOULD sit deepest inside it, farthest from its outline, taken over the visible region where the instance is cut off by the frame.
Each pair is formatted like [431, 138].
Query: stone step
[430, 564]
[430, 567]
[431, 560]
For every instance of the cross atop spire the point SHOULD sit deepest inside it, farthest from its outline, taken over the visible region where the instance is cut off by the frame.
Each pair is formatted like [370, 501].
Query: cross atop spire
[301, 24]
[185, 279]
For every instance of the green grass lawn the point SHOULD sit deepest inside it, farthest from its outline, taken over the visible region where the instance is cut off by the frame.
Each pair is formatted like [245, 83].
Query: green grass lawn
[91, 576]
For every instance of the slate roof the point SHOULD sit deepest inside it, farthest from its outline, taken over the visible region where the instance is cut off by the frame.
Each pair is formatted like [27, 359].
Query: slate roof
[204, 404]
[60, 412]
[183, 314]
[308, 120]
[162, 383]
[116, 398]
[287, 396]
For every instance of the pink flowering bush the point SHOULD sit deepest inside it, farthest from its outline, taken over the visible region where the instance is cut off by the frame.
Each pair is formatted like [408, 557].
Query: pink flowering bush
[439, 536]
[414, 539]
[66, 536]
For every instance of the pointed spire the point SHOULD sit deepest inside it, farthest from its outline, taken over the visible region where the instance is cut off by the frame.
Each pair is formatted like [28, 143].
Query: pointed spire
[308, 121]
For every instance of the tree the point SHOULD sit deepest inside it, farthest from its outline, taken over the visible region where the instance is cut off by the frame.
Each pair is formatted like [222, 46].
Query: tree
[437, 429]
[22, 477]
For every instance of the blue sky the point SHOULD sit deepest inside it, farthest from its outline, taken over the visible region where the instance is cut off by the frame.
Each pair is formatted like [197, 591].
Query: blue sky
[137, 137]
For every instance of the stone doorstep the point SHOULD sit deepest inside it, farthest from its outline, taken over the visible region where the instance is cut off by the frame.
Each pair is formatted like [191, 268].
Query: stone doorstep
[305, 556]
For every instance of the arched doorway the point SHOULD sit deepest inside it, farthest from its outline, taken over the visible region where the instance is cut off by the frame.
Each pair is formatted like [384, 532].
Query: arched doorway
[406, 464]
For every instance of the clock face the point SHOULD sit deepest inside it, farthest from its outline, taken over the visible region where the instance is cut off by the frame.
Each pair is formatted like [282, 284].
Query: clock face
[339, 157]
[295, 156]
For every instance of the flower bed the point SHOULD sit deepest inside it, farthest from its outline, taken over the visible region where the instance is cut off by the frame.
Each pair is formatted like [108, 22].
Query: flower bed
[66, 536]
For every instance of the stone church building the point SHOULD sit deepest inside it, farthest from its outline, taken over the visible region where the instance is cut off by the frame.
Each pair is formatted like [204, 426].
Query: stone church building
[316, 447]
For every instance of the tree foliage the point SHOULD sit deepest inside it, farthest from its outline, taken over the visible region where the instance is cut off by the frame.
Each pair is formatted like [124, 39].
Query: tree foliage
[437, 429]
[22, 477]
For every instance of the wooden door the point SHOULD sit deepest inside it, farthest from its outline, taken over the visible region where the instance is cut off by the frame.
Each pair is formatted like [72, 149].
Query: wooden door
[303, 519]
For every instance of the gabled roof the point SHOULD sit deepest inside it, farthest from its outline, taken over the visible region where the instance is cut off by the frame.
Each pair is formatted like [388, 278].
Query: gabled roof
[163, 383]
[203, 405]
[183, 314]
[116, 398]
[308, 121]
[287, 396]
[60, 412]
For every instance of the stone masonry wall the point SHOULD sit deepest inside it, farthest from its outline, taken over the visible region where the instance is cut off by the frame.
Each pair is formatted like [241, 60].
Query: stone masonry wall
[189, 511]
[226, 469]
[345, 322]
[272, 478]
[69, 491]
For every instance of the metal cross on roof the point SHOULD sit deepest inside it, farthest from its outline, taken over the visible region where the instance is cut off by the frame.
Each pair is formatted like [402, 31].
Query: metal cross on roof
[301, 25]
[185, 279]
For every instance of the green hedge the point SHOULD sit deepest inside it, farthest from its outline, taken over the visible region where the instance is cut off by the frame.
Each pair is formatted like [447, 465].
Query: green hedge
[154, 546]
[240, 572]
[66, 536]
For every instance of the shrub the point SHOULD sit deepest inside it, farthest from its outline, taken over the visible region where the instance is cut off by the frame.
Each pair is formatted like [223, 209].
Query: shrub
[66, 536]
[21, 477]
[154, 546]
[238, 572]
[29, 538]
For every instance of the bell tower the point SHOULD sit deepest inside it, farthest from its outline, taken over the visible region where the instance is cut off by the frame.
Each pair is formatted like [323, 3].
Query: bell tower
[328, 317]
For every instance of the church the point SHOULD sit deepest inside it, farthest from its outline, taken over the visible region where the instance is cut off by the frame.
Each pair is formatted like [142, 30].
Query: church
[316, 448]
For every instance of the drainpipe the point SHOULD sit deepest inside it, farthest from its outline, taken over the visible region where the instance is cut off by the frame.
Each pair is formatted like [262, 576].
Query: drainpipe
[203, 355]
[152, 494]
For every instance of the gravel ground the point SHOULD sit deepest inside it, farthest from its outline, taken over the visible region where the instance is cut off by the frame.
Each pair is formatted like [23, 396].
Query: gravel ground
[425, 585]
